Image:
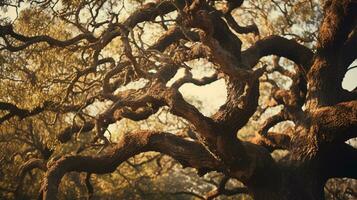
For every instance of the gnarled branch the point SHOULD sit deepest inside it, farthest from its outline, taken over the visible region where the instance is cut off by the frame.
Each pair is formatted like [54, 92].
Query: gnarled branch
[188, 153]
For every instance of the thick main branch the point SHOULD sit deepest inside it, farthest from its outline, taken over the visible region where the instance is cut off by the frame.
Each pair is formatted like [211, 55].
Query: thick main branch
[188, 153]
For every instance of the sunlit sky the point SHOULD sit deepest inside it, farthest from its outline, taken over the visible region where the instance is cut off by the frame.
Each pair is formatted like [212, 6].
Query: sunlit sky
[350, 80]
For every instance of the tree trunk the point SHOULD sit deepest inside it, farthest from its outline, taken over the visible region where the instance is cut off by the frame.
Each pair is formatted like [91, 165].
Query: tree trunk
[291, 182]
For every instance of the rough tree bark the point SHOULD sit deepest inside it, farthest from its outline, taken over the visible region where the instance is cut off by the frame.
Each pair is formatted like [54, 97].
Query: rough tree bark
[317, 148]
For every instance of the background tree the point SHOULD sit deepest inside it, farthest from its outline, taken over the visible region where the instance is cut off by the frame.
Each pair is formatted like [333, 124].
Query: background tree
[75, 72]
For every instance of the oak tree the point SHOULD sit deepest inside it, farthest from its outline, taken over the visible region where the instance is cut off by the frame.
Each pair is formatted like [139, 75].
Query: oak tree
[61, 59]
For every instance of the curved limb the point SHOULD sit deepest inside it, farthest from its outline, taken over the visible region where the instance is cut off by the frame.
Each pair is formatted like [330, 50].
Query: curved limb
[188, 153]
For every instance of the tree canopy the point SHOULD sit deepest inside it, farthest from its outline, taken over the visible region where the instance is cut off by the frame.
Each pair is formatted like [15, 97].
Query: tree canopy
[101, 97]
